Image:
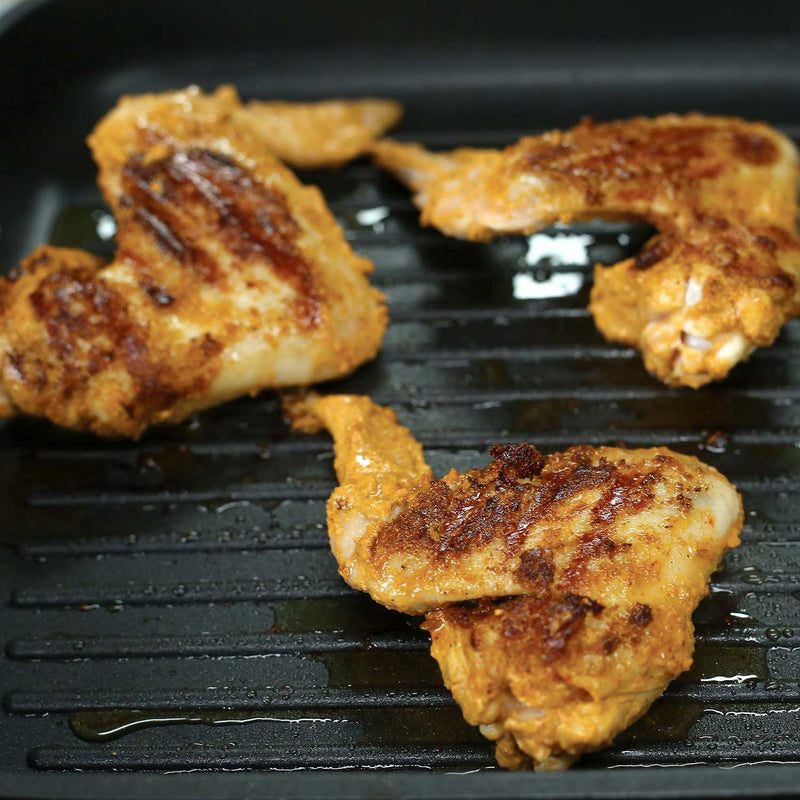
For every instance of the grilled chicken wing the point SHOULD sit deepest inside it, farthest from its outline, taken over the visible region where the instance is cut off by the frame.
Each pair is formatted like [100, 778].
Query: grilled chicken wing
[323, 134]
[304, 135]
[723, 191]
[659, 170]
[558, 590]
[696, 304]
[378, 462]
[230, 277]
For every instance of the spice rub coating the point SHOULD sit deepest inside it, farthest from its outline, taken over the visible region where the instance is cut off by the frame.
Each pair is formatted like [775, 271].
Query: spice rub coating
[550, 678]
[661, 169]
[698, 303]
[558, 590]
[528, 524]
[722, 191]
[230, 277]
[326, 133]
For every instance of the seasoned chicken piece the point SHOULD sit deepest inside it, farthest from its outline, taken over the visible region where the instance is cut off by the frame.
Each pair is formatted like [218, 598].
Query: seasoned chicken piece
[581, 572]
[378, 462]
[327, 133]
[699, 303]
[322, 134]
[230, 277]
[659, 170]
[550, 678]
[509, 529]
[723, 191]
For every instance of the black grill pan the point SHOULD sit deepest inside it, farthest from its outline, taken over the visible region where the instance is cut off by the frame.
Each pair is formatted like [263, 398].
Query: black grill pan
[180, 588]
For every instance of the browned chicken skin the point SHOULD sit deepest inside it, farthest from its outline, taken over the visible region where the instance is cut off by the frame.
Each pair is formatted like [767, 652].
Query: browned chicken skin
[558, 590]
[322, 134]
[699, 302]
[685, 175]
[230, 277]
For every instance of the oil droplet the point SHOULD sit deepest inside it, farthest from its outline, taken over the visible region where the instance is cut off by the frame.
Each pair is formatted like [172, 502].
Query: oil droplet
[567, 248]
[108, 724]
[372, 217]
[539, 286]
[106, 225]
[753, 576]
[716, 442]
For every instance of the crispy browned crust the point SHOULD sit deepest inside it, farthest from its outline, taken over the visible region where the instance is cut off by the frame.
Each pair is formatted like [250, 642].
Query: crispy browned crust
[671, 165]
[722, 190]
[553, 677]
[580, 571]
[663, 169]
[67, 326]
[230, 276]
[527, 523]
[520, 488]
[699, 302]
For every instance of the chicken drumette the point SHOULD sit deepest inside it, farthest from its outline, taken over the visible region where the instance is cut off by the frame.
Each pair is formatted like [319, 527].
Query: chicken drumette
[558, 590]
[689, 176]
[230, 277]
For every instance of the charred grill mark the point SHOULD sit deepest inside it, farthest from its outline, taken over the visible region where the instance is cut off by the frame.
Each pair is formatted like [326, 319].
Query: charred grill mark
[152, 389]
[710, 221]
[449, 519]
[652, 253]
[546, 625]
[89, 328]
[767, 243]
[195, 194]
[597, 544]
[596, 154]
[536, 568]
[628, 494]
[562, 620]
[564, 484]
[755, 149]
[517, 461]
[641, 616]
[210, 347]
[610, 644]
[169, 223]
[166, 238]
[159, 295]
[77, 305]
[591, 546]
[781, 280]
[31, 374]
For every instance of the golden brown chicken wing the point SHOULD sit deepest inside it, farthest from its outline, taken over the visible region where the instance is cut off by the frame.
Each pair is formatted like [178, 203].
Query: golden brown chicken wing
[304, 135]
[322, 134]
[550, 678]
[580, 572]
[661, 170]
[230, 277]
[698, 303]
[723, 191]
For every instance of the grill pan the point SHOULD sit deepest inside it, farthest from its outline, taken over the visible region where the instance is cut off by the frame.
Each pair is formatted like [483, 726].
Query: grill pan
[180, 591]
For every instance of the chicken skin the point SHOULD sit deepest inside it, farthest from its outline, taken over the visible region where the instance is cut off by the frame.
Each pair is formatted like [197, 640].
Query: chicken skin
[661, 170]
[691, 176]
[698, 303]
[230, 277]
[327, 133]
[322, 134]
[558, 590]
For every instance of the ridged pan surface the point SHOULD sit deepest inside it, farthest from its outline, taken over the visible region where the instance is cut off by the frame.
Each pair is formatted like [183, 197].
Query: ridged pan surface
[172, 604]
